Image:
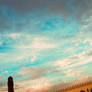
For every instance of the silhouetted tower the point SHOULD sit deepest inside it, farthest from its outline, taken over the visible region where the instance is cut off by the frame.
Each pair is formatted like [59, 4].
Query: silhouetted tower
[10, 84]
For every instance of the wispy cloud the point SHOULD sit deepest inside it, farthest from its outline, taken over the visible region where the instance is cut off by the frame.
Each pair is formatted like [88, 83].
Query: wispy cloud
[39, 43]
[45, 40]
[14, 35]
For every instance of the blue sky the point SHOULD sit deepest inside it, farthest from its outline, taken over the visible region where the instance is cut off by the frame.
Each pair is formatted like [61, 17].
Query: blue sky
[45, 42]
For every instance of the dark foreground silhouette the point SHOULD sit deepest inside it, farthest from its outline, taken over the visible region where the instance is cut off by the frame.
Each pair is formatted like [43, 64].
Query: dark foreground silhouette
[10, 84]
[91, 89]
[82, 91]
[87, 90]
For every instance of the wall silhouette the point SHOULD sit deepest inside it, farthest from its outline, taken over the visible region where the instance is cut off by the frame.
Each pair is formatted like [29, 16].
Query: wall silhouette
[10, 84]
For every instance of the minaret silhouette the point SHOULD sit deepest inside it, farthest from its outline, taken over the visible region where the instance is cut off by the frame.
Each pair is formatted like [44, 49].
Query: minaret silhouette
[10, 84]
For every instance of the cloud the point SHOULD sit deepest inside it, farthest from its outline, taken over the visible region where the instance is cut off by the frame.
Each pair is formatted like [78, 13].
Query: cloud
[0, 43]
[39, 87]
[33, 72]
[28, 15]
[73, 74]
[14, 35]
[3, 54]
[75, 61]
[35, 32]
[85, 29]
[39, 43]
[33, 85]
[63, 7]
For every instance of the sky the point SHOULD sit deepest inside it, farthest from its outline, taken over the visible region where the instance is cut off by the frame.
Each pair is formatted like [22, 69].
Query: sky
[45, 42]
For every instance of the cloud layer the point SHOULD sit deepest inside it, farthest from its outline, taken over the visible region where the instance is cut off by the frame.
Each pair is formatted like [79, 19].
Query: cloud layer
[45, 42]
